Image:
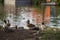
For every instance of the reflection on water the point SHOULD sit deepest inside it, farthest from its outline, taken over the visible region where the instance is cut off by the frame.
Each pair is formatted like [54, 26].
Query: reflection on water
[22, 14]
[55, 20]
[20, 17]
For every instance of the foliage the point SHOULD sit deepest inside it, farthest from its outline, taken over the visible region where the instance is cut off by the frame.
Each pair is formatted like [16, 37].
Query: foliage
[57, 10]
[2, 14]
[2, 2]
[36, 4]
[58, 0]
[50, 34]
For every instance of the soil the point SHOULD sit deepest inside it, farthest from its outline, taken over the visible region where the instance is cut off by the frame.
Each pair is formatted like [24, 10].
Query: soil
[18, 35]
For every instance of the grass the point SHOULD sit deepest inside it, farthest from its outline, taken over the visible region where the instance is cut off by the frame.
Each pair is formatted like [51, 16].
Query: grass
[50, 34]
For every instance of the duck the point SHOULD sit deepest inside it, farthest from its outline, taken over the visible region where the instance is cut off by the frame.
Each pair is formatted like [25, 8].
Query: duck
[32, 26]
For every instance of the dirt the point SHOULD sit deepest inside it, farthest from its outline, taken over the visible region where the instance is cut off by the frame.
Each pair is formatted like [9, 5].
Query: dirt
[18, 35]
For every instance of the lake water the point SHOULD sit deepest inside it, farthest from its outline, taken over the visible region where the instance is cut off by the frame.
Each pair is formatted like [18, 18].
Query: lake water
[55, 16]
[24, 13]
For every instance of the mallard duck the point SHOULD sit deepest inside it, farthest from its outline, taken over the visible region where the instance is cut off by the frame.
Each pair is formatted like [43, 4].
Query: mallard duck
[32, 26]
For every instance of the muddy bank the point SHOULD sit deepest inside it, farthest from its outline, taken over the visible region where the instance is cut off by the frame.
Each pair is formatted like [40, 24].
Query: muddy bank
[17, 35]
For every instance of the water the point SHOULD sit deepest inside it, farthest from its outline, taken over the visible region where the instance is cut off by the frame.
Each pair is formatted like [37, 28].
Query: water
[22, 14]
[55, 14]
[19, 18]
